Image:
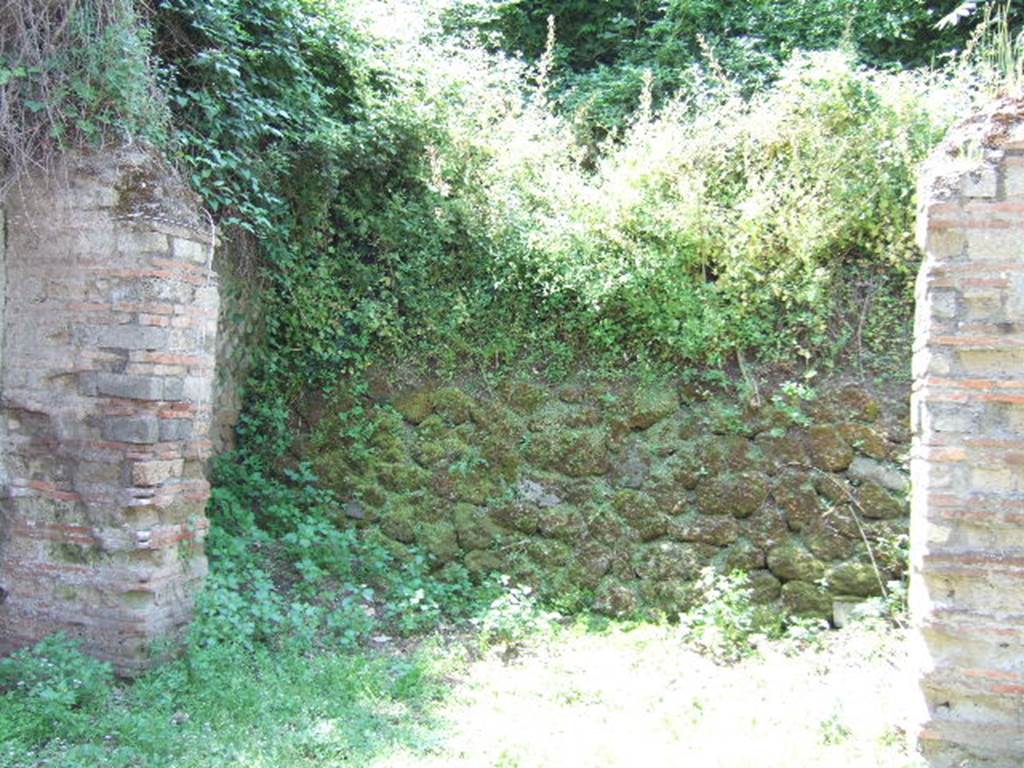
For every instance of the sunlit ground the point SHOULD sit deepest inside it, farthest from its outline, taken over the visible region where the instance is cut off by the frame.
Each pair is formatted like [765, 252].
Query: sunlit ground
[641, 698]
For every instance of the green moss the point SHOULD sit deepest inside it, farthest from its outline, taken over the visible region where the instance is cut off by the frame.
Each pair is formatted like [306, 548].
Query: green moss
[791, 561]
[415, 406]
[827, 449]
[669, 560]
[613, 598]
[516, 517]
[804, 599]
[474, 527]
[547, 553]
[481, 562]
[523, 396]
[398, 522]
[439, 539]
[402, 477]
[877, 503]
[563, 522]
[795, 495]
[853, 578]
[739, 495]
[583, 453]
[429, 452]
[453, 405]
[642, 513]
[651, 404]
[866, 440]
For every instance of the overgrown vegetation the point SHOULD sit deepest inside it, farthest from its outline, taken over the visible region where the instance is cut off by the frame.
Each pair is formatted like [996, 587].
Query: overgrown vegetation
[680, 185]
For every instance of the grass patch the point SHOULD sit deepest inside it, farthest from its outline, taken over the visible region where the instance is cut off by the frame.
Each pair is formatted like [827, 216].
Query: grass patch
[227, 707]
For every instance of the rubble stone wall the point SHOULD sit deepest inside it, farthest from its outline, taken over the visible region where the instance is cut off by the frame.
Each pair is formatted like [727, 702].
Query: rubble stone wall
[614, 495]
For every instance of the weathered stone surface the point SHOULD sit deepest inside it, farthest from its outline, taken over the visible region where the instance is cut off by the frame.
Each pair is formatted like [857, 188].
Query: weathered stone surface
[795, 495]
[149, 473]
[739, 495]
[533, 492]
[826, 448]
[885, 475]
[877, 503]
[782, 451]
[744, 556]
[652, 404]
[415, 405]
[642, 514]
[805, 599]
[474, 528]
[764, 587]
[632, 468]
[791, 561]
[562, 522]
[614, 599]
[853, 578]
[668, 560]
[866, 440]
[132, 429]
[717, 530]
[517, 517]
[827, 540]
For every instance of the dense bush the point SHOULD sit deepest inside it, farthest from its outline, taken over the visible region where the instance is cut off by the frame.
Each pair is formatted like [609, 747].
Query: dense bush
[604, 48]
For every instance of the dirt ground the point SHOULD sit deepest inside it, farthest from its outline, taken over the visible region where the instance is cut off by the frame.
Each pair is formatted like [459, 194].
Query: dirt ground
[641, 697]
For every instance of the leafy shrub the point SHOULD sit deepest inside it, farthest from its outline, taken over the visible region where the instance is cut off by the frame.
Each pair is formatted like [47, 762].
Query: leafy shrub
[47, 688]
[725, 623]
[513, 617]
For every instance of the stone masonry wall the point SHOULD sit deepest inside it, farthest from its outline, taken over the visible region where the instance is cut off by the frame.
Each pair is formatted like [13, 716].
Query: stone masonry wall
[613, 495]
[967, 584]
[107, 364]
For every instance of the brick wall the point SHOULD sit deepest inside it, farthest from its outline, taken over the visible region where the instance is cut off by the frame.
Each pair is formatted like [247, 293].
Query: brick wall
[967, 589]
[107, 364]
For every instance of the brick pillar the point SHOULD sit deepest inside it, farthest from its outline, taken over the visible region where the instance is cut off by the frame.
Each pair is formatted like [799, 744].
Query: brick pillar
[107, 364]
[967, 587]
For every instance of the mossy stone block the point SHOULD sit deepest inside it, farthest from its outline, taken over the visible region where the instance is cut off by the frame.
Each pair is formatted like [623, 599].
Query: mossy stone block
[827, 449]
[804, 599]
[739, 495]
[474, 527]
[878, 504]
[795, 495]
[765, 587]
[792, 561]
[453, 405]
[615, 599]
[651, 404]
[439, 539]
[481, 562]
[853, 578]
[415, 405]
[524, 518]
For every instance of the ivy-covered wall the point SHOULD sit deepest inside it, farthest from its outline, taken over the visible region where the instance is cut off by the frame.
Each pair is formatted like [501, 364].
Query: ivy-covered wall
[614, 495]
